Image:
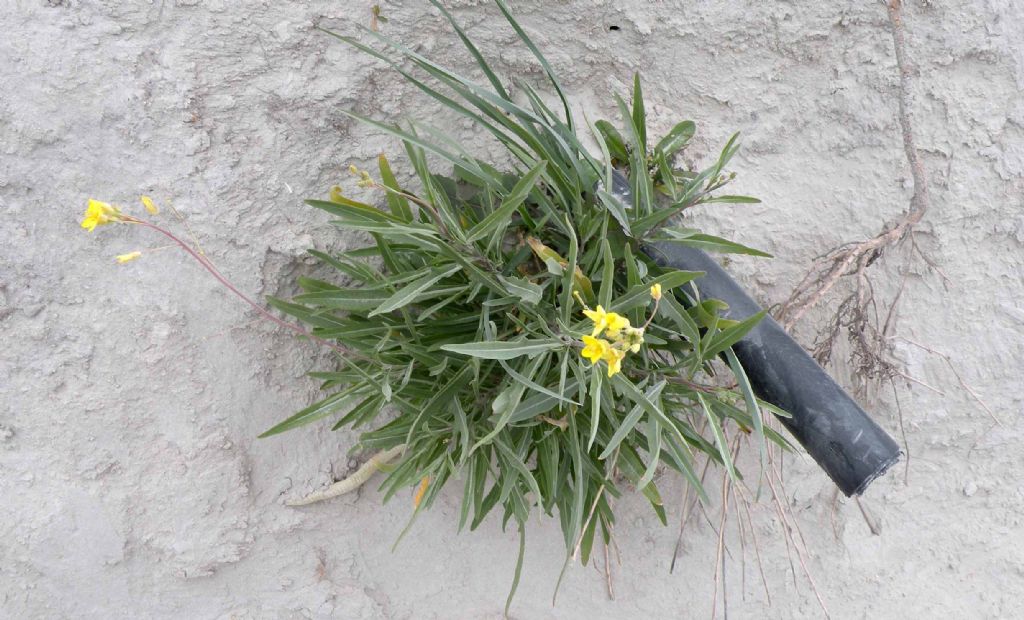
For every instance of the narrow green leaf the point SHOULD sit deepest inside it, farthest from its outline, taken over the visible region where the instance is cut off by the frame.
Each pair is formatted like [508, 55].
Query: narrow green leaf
[579, 485]
[523, 289]
[351, 209]
[653, 450]
[304, 314]
[676, 138]
[533, 385]
[679, 454]
[639, 177]
[732, 199]
[716, 429]
[519, 568]
[462, 431]
[318, 410]
[612, 138]
[709, 243]
[643, 402]
[752, 409]
[398, 205]
[504, 350]
[542, 403]
[730, 149]
[596, 378]
[469, 167]
[491, 77]
[639, 115]
[440, 401]
[411, 292]
[352, 299]
[540, 58]
[516, 462]
[467, 494]
[617, 209]
[730, 336]
[511, 202]
[604, 296]
[509, 407]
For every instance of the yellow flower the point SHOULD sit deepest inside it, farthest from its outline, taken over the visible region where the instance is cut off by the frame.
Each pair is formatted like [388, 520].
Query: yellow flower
[656, 291]
[149, 204]
[599, 317]
[611, 321]
[125, 258]
[595, 349]
[99, 213]
[614, 359]
[616, 323]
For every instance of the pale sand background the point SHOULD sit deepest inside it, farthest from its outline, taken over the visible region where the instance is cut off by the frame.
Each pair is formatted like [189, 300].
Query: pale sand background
[132, 484]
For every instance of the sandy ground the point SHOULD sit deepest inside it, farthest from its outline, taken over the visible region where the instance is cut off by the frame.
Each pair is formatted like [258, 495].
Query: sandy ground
[132, 483]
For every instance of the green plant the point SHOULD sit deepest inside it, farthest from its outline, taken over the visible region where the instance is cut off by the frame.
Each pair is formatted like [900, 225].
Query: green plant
[506, 328]
[465, 324]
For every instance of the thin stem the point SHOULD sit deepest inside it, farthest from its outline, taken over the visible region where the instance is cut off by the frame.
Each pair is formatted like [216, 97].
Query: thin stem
[266, 314]
[654, 312]
[419, 202]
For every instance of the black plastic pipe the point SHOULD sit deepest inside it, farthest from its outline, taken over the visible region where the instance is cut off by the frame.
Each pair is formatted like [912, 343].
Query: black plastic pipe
[846, 443]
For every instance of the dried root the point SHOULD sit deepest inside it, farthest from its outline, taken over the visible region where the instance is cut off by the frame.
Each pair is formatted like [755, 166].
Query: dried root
[853, 259]
[857, 314]
[873, 362]
[353, 482]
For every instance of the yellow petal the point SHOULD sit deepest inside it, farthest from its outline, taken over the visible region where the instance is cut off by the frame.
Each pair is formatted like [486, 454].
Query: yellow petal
[595, 315]
[595, 349]
[600, 319]
[656, 291]
[614, 359]
[150, 206]
[615, 323]
[98, 213]
[125, 258]
[98, 206]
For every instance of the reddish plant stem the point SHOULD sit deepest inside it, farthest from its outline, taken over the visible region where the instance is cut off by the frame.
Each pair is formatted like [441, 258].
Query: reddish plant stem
[266, 314]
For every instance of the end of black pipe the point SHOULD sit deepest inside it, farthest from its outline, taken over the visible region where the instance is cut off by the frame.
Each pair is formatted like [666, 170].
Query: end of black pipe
[844, 441]
[837, 433]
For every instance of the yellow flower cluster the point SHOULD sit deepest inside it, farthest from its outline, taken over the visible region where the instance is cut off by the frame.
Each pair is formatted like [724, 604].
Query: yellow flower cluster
[624, 338]
[365, 180]
[99, 213]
